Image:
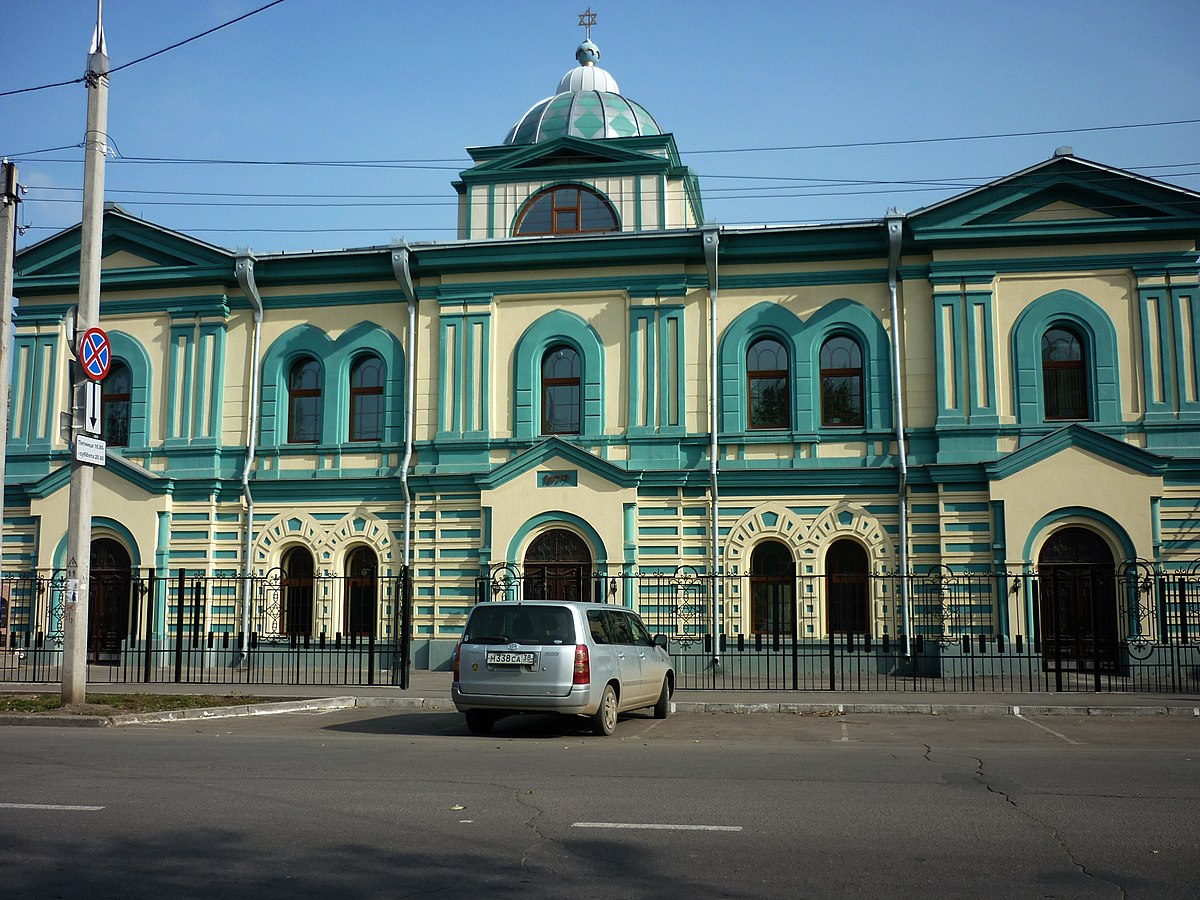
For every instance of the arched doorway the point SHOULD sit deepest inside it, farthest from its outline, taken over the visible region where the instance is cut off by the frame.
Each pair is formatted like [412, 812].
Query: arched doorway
[296, 617]
[362, 591]
[772, 590]
[1077, 602]
[558, 566]
[109, 587]
[847, 607]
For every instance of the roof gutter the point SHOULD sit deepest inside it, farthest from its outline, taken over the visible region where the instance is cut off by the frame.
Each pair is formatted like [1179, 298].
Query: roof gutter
[243, 270]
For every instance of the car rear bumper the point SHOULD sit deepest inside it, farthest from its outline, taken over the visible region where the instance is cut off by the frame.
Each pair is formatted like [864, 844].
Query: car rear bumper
[583, 700]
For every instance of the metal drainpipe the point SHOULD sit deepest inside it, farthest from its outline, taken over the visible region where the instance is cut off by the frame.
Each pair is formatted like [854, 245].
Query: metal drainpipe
[403, 275]
[895, 231]
[712, 239]
[243, 269]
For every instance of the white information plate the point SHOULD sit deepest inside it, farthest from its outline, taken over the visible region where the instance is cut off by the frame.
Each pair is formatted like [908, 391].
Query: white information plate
[89, 450]
[509, 658]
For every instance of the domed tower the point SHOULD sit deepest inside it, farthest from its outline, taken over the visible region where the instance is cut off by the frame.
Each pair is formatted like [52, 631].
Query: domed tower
[585, 160]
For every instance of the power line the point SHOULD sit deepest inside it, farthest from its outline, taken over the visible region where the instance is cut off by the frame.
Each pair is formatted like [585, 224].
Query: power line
[141, 59]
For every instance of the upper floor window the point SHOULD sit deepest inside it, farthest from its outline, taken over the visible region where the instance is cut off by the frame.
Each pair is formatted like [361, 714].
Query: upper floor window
[115, 394]
[560, 391]
[566, 210]
[304, 401]
[769, 396]
[841, 382]
[366, 399]
[1064, 378]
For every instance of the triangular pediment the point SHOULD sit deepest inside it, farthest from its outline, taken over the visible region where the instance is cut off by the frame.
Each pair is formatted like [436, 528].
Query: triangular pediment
[1058, 197]
[128, 243]
[556, 448]
[1135, 459]
[571, 154]
[115, 465]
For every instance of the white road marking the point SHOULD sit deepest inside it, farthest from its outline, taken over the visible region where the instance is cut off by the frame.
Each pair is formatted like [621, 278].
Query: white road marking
[646, 826]
[50, 806]
[845, 734]
[1049, 730]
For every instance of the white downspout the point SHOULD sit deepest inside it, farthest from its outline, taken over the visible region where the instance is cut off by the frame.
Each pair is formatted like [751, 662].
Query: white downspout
[895, 230]
[403, 274]
[712, 239]
[244, 271]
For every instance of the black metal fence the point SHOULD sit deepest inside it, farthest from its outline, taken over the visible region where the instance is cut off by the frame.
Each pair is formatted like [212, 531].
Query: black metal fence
[1067, 627]
[195, 628]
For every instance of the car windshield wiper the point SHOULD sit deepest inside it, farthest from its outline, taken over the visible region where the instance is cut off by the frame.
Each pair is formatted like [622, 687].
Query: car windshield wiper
[488, 639]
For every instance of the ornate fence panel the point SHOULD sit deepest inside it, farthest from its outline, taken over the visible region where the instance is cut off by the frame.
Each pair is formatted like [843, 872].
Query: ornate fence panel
[190, 627]
[1066, 628]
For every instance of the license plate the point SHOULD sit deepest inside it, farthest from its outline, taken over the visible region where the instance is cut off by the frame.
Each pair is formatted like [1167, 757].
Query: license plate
[508, 658]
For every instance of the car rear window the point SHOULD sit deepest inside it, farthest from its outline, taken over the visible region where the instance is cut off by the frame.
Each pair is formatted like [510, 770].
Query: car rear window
[520, 624]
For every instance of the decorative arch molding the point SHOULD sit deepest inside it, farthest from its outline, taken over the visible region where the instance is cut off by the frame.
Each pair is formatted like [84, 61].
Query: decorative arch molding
[850, 520]
[558, 327]
[1106, 526]
[336, 359]
[329, 544]
[803, 340]
[102, 526]
[1101, 360]
[558, 519]
[850, 318]
[769, 521]
[765, 319]
[131, 352]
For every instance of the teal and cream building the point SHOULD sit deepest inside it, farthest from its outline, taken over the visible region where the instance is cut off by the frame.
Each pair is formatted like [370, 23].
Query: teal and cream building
[1010, 373]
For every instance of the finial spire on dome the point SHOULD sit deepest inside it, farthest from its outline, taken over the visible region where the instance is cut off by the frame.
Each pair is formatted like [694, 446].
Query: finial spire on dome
[587, 19]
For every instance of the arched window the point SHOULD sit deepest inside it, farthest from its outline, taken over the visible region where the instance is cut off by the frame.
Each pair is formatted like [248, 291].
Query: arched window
[1064, 377]
[769, 397]
[847, 606]
[560, 391]
[115, 394]
[296, 614]
[841, 382]
[366, 399]
[566, 210]
[362, 588]
[304, 401]
[772, 589]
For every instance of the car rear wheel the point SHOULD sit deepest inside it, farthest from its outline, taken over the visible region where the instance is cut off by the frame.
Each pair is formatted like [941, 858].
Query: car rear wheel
[480, 722]
[662, 708]
[604, 722]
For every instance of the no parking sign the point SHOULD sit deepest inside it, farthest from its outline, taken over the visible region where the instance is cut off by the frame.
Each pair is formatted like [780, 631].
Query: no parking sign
[95, 354]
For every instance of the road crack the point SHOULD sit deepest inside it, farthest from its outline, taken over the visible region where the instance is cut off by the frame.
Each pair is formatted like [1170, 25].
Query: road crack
[1054, 832]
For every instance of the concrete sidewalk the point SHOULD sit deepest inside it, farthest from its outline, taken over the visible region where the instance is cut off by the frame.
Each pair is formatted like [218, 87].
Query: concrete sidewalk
[431, 690]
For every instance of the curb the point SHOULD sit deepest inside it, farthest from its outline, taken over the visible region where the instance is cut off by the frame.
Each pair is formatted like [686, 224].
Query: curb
[442, 704]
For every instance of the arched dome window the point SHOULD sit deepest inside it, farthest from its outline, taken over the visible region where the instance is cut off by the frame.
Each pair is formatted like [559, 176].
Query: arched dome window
[569, 209]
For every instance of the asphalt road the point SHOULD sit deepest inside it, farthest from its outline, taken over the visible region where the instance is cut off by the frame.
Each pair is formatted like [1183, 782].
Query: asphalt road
[364, 803]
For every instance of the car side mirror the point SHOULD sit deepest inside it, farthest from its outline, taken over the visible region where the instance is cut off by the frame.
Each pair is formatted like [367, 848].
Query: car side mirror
[660, 640]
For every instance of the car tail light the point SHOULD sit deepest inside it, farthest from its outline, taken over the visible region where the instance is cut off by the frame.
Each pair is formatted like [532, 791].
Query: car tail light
[583, 666]
[457, 652]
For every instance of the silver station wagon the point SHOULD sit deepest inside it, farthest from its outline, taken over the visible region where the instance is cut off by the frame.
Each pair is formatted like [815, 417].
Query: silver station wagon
[584, 659]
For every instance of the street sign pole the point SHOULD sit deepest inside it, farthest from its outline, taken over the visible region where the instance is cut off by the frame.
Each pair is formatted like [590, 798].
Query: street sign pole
[79, 525]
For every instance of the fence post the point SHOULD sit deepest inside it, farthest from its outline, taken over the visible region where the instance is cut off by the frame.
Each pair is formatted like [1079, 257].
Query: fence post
[179, 595]
[148, 646]
[832, 674]
[371, 636]
[405, 626]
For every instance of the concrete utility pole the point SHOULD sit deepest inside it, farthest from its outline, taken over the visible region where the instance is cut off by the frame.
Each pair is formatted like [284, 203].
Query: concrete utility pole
[8, 230]
[79, 525]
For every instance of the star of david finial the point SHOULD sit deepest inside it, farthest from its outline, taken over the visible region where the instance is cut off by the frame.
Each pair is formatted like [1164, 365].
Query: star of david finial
[586, 20]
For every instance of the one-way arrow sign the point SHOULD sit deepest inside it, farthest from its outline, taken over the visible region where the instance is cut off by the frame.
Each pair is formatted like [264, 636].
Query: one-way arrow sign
[93, 420]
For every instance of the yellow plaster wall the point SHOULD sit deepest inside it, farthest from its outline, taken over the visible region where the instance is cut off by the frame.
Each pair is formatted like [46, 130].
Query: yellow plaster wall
[595, 500]
[1077, 478]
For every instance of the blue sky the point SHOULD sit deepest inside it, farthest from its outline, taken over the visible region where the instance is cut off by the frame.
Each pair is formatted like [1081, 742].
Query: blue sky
[352, 80]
